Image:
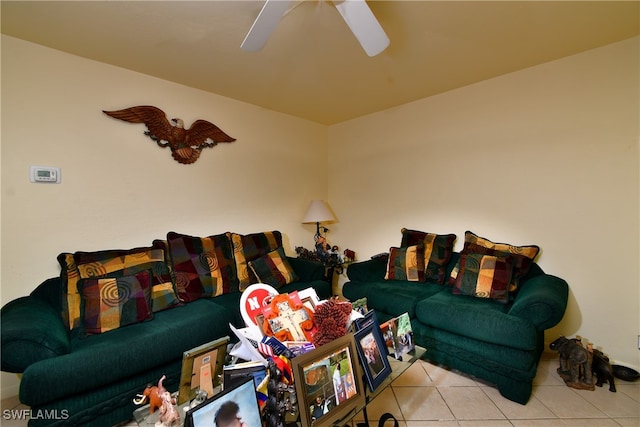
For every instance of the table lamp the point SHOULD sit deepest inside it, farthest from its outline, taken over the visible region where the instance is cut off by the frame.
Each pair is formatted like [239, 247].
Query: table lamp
[318, 212]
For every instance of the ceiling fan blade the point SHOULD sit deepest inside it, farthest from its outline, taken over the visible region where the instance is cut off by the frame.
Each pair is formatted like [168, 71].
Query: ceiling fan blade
[265, 23]
[364, 25]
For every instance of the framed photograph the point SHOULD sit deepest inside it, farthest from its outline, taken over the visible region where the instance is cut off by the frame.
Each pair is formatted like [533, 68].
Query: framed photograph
[360, 306]
[372, 351]
[368, 319]
[208, 357]
[236, 374]
[404, 334]
[329, 384]
[233, 406]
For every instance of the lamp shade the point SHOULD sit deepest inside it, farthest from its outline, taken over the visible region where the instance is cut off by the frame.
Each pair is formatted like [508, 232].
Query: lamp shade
[318, 211]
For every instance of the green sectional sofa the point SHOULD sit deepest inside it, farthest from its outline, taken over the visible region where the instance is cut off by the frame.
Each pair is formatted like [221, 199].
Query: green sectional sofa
[482, 311]
[78, 369]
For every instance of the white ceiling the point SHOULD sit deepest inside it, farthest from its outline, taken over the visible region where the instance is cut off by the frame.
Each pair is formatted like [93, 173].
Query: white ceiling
[312, 66]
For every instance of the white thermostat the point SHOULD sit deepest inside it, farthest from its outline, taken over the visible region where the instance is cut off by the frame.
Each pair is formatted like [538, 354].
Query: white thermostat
[45, 174]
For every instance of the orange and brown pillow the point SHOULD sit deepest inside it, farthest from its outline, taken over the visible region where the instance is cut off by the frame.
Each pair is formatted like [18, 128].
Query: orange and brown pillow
[522, 256]
[406, 264]
[110, 303]
[202, 266]
[250, 247]
[483, 276]
[437, 251]
[273, 269]
[112, 263]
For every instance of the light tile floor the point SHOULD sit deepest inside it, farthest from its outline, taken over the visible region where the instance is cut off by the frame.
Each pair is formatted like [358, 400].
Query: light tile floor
[427, 395]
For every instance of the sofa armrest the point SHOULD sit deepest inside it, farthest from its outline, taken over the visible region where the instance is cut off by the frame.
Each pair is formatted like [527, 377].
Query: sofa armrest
[372, 270]
[542, 300]
[307, 270]
[31, 330]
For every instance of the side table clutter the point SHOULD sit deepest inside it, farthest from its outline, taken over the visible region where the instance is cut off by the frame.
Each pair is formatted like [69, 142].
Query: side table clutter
[298, 361]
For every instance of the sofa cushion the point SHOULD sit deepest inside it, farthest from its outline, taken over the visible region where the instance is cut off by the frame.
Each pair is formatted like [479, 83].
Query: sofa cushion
[393, 297]
[523, 256]
[437, 251]
[406, 263]
[477, 318]
[202, 266]
[483, 276]
[273, 269]
[250, 247]
[109, 303]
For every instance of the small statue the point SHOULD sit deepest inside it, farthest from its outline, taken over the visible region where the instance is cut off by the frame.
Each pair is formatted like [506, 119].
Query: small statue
[160, 398]
[151, 393]
[602, 369]
[349, 255]
[575, 363]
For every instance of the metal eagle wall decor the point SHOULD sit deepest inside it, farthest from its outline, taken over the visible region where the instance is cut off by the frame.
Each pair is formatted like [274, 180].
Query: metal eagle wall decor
[185, 144]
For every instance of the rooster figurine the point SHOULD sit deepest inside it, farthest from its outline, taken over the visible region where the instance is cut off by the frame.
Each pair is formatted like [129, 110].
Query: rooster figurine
[185, 144]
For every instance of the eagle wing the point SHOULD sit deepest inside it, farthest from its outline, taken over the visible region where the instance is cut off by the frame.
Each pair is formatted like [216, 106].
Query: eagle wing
[202, 130]
[154, 118]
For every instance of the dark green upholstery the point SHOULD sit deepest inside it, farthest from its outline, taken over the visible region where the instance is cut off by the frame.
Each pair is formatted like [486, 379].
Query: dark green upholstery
[91, 380]
[496, 342]
[31, 331]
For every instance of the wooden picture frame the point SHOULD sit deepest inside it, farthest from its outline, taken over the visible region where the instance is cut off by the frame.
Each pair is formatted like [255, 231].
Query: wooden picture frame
[372, 351]
[329, 384]
[212, 353]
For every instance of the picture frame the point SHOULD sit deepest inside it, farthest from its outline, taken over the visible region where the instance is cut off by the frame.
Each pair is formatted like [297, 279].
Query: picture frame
[213, 354]
[236, 374]
[360, 305]
[372, 352]
[240, 402]
[368, 318]
[329, 384]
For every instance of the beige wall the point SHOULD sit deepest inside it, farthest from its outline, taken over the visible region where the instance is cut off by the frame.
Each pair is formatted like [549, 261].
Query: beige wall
[546, 156]
[119, 189]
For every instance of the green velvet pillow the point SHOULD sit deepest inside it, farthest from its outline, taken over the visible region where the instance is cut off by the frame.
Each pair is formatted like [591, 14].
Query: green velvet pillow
[273, 269]
[437, 251]
[110, 303]
[406, 264]
[202, 266]
[522, 256]
[250, 247]
[483, 276]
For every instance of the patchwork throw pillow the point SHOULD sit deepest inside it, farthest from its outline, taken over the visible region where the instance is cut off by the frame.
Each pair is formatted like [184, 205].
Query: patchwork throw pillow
[119, 263]
[112, 263]
[406, 264]
[523, 256]
[110, 303]
[202, 266]
[437, 251]
[273, 269]
[250, 247]
[483, 276]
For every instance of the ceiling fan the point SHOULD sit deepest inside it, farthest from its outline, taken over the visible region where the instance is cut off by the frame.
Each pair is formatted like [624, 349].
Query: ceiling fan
[356, 13]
